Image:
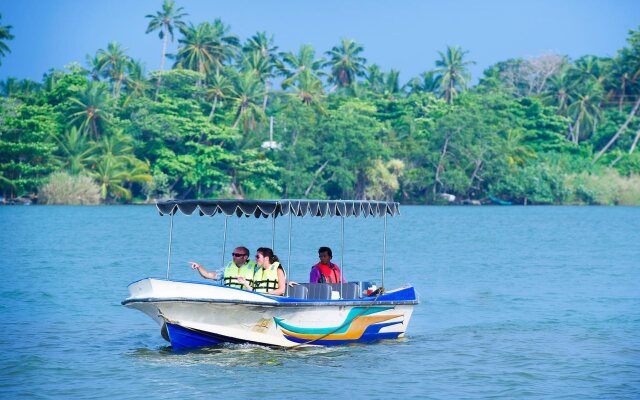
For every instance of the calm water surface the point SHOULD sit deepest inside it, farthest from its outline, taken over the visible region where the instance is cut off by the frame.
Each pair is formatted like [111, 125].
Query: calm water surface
[516, 302]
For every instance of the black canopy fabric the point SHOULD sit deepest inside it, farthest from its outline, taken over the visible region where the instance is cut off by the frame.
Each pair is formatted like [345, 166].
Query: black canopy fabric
[277, 208]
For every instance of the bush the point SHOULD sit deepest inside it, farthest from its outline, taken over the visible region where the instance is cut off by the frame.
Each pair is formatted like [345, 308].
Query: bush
[609, 188]
[63, 188]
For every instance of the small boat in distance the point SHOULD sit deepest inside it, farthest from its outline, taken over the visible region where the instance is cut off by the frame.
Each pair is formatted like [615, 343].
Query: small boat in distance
[197, 314]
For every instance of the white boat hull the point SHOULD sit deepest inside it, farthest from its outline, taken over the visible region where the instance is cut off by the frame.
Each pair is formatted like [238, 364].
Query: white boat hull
[200, 314]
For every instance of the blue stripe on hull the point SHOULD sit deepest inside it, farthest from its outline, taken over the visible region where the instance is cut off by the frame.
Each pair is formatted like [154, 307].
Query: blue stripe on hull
[184, 338]
[188, 338]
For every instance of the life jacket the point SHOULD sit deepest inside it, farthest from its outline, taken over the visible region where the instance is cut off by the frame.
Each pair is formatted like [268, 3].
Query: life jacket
[328, 273]
[265, 280]
[232, 272]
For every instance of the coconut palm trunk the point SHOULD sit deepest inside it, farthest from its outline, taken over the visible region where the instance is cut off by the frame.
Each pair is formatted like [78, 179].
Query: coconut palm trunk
[619, 132]
[165, 44]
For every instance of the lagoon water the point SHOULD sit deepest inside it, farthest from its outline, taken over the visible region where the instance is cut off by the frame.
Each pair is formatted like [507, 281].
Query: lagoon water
[516, 302]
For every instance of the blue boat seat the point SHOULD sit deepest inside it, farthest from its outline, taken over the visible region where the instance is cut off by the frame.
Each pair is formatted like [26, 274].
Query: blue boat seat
[299, 292]
[348, 290]
[318, 291]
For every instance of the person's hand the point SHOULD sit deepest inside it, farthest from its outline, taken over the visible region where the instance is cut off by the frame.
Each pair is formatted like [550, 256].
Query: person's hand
[292, 283]
[242, 280]
[195, 265]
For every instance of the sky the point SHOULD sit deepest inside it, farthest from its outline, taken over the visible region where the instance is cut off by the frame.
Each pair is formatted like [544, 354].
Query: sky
[405, 35]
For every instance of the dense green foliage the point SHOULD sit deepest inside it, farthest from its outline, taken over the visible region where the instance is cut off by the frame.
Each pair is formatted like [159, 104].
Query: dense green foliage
[234, 118]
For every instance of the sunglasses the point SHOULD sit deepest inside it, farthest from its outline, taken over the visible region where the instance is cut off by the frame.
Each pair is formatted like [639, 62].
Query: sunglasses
[239, 255]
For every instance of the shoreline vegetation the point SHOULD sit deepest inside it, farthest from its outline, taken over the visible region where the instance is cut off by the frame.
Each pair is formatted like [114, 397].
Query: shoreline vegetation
[229, 118]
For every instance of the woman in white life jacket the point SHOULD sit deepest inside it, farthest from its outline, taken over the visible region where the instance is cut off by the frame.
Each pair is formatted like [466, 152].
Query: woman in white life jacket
[269, 277]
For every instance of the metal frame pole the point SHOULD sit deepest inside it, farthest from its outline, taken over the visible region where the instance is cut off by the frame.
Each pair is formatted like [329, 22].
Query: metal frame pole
[170, 240]
[384, 247]
[273, 235]
[289, 256]
[342, 256]
[224, 240]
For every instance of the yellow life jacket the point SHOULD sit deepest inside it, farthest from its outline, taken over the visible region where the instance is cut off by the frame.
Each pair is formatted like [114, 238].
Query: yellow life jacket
[232, 272]
[265, 280]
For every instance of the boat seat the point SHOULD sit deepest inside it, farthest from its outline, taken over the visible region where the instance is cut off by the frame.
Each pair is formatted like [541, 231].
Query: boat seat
[299, 292]
[350, 290]
[318, 291]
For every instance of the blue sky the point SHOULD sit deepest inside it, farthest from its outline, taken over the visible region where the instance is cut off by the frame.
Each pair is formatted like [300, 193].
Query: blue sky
[401, 34]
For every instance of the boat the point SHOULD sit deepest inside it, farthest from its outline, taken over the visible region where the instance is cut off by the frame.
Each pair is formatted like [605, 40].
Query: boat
[200, 314]
[498, 201]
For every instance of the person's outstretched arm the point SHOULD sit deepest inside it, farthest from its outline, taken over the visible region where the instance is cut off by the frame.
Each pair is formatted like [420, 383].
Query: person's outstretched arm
[203, 272]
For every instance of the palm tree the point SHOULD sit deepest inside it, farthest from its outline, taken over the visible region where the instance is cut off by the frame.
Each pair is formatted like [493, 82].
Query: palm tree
[260, 55]
[110, 174]
[293, 65]
[9, 86]
[90, 108]
[5, 34]
[591, 67]
[513, 148]
[375, 78]
[116, 167]
[392, 83]
[560, 92]
[95, 64]
[74, 150]
[453, 72]
[428, 82]
[113, 63]
[135, 81]
[585, 110]
[225, 44]
[346, 63]
[261, 43]
[220, 86]
[247, 94]
[197, 50]
[164, 21]
[263, 67]
[309, 90]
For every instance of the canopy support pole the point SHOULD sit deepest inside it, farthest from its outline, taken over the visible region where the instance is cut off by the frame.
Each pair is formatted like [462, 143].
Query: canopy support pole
[341, 254]
[170, 240]
[224, 240]
[288, 257]
[273, 234]
[384, 248]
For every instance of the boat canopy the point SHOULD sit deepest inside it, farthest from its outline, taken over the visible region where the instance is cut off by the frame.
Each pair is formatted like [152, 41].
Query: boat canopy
[276, 208]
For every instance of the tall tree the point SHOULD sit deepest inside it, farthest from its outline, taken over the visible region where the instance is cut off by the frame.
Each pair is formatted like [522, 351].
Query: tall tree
[5, 34]
[165, 21]
[220, 86]
[197, 49]
[428, 81]
[135, 81]
[308, 89]
[264, 69]
[452, 68]
[261, 56]
[295, 64]
[585, 110]
[346, 63]
[113, 63]
[91, 108]
[247, 95]
[225, 46]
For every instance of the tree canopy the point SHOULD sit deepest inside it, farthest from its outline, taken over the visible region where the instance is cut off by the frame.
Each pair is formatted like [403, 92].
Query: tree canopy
[236, 117]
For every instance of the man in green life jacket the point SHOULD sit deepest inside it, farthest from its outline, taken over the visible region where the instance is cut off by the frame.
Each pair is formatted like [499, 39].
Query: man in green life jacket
[240, 265]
